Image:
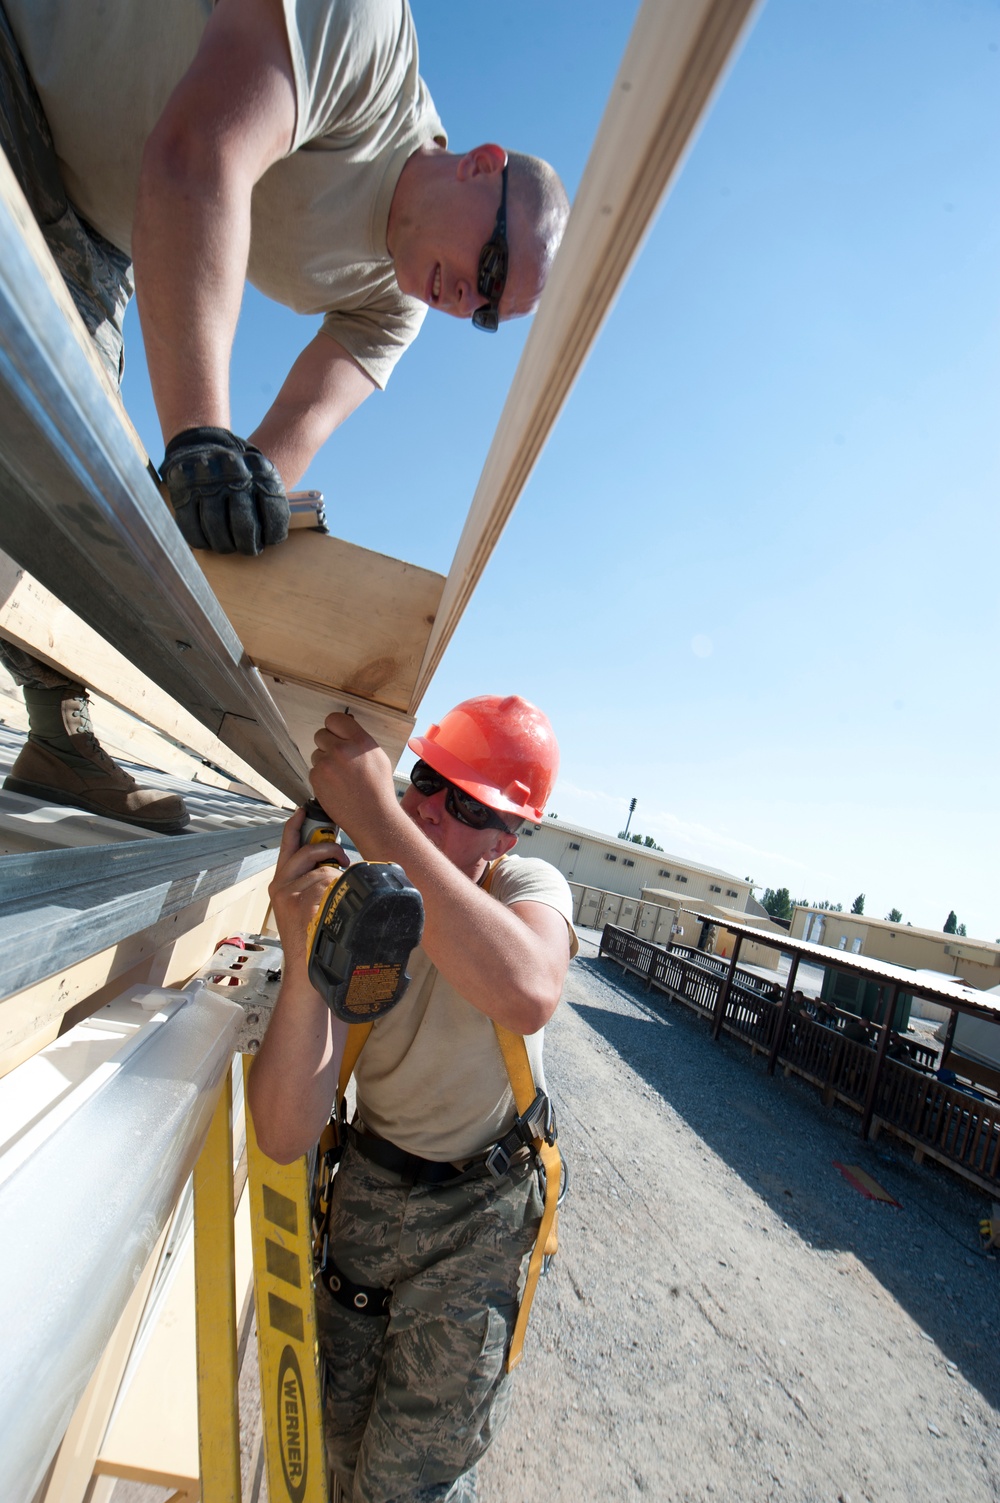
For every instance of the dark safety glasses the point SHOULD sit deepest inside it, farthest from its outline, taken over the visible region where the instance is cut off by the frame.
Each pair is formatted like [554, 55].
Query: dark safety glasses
[493, 268]
[459, 804]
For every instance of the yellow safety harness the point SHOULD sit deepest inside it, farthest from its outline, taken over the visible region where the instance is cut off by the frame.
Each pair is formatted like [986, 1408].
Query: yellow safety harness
[544, 1145]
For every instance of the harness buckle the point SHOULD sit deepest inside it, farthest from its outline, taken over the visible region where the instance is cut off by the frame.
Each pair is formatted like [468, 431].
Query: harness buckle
[539, 1121]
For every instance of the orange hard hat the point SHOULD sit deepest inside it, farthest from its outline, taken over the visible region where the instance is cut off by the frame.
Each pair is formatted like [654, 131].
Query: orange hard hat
[502, 751]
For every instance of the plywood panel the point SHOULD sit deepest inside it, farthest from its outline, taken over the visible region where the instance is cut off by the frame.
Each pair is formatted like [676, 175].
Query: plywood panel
[306, 706]
[324, 611]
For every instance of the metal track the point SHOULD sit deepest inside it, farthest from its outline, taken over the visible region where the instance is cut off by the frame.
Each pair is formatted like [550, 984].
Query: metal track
[79, 511]
[58, 907]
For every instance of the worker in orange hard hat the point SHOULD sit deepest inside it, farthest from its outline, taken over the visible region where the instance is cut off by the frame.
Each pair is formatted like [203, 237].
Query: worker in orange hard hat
[442, 1206]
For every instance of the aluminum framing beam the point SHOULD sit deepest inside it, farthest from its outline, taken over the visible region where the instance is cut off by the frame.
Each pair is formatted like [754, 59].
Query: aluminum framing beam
[80, 512]
[59, 907]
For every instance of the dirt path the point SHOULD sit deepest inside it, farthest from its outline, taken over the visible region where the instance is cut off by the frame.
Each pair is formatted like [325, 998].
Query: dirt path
[728, 1317]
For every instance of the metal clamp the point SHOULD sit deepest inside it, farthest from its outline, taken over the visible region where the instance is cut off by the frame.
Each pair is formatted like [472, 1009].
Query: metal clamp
[539, 1121]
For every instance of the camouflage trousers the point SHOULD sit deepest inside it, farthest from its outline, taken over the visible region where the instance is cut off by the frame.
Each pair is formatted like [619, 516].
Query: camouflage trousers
[415, 1398]
[97, 274]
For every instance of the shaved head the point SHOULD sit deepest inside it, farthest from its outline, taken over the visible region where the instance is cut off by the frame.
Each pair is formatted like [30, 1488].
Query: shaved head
[540, 211]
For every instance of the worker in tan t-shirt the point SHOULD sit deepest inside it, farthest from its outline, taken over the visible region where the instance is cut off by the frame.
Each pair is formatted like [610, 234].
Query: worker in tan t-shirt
[428, 1231]
[289, 142]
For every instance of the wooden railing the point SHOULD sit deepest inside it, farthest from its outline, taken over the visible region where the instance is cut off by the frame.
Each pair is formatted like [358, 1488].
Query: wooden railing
[959, 1127]
[838, 1065]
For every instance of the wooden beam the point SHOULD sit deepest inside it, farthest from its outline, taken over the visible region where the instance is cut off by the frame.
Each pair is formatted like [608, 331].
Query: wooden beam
[306, 706]
[724, 990]
[326, 612]
[672, 65]
[781, 1022]
[74, 1465]
[889, 994]
[32, 618]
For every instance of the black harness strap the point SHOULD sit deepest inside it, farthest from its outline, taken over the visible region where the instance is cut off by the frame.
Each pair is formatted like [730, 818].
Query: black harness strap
[363, 1299]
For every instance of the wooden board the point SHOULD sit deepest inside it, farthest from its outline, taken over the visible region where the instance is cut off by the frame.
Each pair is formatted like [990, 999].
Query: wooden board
[154, 1434]
[306, 706]
[32, 618]
[673, 63]
[74, 1465]
[324, 611]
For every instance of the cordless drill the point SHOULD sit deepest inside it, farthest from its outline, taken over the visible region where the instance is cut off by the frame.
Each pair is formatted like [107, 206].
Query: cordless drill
[359, 942]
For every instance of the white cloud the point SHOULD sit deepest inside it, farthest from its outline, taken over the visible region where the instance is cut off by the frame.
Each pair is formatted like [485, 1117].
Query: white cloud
[678, 836]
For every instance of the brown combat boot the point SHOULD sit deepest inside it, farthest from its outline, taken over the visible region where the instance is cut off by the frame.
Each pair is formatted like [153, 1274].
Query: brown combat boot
[62, 762]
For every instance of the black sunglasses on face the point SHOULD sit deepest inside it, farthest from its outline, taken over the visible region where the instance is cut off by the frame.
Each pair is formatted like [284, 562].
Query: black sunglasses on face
[493, 268]
[459, 804]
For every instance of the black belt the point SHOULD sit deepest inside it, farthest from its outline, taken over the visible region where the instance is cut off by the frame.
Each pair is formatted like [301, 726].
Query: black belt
[409, 1166]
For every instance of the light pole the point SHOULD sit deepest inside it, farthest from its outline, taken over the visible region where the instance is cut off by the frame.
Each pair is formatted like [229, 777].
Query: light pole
[631, 811]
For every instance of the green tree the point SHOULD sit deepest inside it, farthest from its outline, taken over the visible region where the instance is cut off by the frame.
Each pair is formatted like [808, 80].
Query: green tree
[858, 906]
[828, 906]
[553, 814]
[951, 922]
[961, 930]
[646, 840]
[777, 902]
[894, 916]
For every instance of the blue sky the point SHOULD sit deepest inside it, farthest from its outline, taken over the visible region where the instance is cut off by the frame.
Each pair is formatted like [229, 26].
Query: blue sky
[753, 578]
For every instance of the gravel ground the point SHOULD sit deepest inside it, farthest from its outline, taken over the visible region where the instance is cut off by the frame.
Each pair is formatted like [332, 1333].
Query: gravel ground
[727, 1315]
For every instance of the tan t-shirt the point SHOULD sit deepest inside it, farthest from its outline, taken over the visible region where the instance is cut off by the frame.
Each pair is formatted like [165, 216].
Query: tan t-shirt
[104, 73]
[431, 1077]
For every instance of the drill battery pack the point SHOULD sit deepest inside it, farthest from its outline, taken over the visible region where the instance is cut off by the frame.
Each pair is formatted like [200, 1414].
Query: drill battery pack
[359, 942]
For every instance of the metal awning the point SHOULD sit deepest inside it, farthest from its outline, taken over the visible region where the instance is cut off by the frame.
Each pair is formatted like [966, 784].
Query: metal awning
[955, 993]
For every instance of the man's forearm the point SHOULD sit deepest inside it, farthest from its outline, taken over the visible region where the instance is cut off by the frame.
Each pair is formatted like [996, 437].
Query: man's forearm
[191, 243]
[323, 387]
[492, 958]
[294, 1077]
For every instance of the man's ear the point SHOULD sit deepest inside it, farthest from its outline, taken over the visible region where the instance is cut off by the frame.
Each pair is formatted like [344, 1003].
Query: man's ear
[503, 843]
[481, 161]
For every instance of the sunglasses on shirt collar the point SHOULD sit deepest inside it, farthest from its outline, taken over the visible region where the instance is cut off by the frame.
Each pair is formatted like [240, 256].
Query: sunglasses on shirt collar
[459, 804]
[493, 268]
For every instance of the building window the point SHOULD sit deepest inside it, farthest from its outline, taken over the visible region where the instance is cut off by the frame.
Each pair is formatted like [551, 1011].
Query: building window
[627, 862]
[610, 856]
[712, 887]
[730, 893]
[843, 942]
[680, 878]
[529, 833]
[663, 873]
[856, 946]
[574, 845]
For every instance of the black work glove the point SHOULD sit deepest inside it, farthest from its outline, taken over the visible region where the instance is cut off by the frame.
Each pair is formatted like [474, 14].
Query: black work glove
[226, 495]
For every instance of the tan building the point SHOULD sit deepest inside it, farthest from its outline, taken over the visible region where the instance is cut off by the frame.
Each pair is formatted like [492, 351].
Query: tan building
[590, 859]
[975, 960]
[667, 918]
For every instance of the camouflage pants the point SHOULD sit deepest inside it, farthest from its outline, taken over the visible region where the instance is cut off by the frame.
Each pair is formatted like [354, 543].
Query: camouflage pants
[414, 1399]
[97, 274]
